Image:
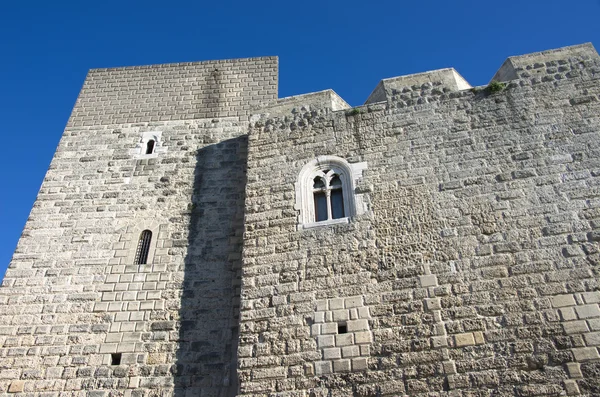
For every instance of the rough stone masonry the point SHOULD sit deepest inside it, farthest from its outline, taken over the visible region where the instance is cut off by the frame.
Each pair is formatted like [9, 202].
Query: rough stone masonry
[440, 240]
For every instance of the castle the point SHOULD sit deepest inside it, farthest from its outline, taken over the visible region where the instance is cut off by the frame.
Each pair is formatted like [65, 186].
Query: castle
[197, 236]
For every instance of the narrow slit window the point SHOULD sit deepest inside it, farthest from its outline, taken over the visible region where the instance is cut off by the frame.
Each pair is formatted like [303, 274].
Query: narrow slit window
[150, 146]
[143, 248]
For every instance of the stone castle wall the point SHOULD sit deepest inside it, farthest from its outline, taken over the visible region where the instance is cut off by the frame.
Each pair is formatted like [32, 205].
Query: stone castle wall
[473, 271]
[467, 269]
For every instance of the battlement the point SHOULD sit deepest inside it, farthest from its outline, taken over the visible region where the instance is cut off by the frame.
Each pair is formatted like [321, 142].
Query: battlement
[441, 80]
[326, 99]
[531, 69]
[520, 66]
[240, 87]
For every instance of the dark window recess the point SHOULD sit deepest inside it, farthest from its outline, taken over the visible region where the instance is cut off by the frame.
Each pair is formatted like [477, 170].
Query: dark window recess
[150, 146]
[141, 254]
[318, 183]
[320, 206]
[115, 359]
[342, 329]
[337, 204]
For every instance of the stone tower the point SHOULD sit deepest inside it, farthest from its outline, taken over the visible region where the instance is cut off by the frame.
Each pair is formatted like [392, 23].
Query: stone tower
[197, 236]
[159, 149]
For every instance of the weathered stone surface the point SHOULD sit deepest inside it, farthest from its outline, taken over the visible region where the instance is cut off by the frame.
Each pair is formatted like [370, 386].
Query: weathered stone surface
[466, 262]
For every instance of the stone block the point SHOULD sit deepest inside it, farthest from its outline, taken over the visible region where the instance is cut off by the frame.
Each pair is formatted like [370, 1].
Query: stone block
[341, 366]
[344, 339]
[132, 337]
[322, 305]
[363, 312]
[466, 339]
[325, 341]
[575, 327]
[329, 328]
[108, 348]
[101, 306]
[363, 337]
[16, 386]
[563, 300]
[574, 370]
[128, 358]
[567, 314]
[122, 316]
[478, 336]
[449, 367]
[341, 315]
[587, 311]
[269, 373]
[315, 329]
[319, 317]
[113, 337]
[357, 325]
[365, 350]
[571, 388]
[359, 364]
[245, 351]
[594, 324]
[350, 351]
[355, 301]
[309, 369]
[428, 280]
[323, 368]
[134, 382]
[332, 353]
[126, 347]
[433, 304]
[337, 303]
[439, 341]
[592, 338]
[586, 354]
[591, 297]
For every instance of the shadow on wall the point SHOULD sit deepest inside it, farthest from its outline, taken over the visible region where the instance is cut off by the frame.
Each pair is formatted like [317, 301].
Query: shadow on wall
[206, 356]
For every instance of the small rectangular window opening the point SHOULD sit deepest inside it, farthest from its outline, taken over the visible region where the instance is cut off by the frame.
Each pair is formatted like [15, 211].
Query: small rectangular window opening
[342, 328]
[115, 359]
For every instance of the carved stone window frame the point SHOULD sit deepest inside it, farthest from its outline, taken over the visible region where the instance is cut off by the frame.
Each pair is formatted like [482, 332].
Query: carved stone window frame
[349, 175]
[139, 152]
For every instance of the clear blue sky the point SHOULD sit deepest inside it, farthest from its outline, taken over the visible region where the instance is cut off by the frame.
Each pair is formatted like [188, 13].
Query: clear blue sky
[46, 48]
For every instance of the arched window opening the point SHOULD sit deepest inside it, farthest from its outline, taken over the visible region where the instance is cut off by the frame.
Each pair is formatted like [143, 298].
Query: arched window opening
[150, 146]
[328, 196]
[326, 193]
[143, 248]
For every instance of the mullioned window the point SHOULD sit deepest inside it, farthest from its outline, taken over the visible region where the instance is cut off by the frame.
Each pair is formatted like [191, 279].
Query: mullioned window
[325, 192]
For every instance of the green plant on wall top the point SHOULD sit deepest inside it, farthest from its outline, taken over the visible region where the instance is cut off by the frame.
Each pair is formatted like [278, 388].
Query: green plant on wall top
[495, 86]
